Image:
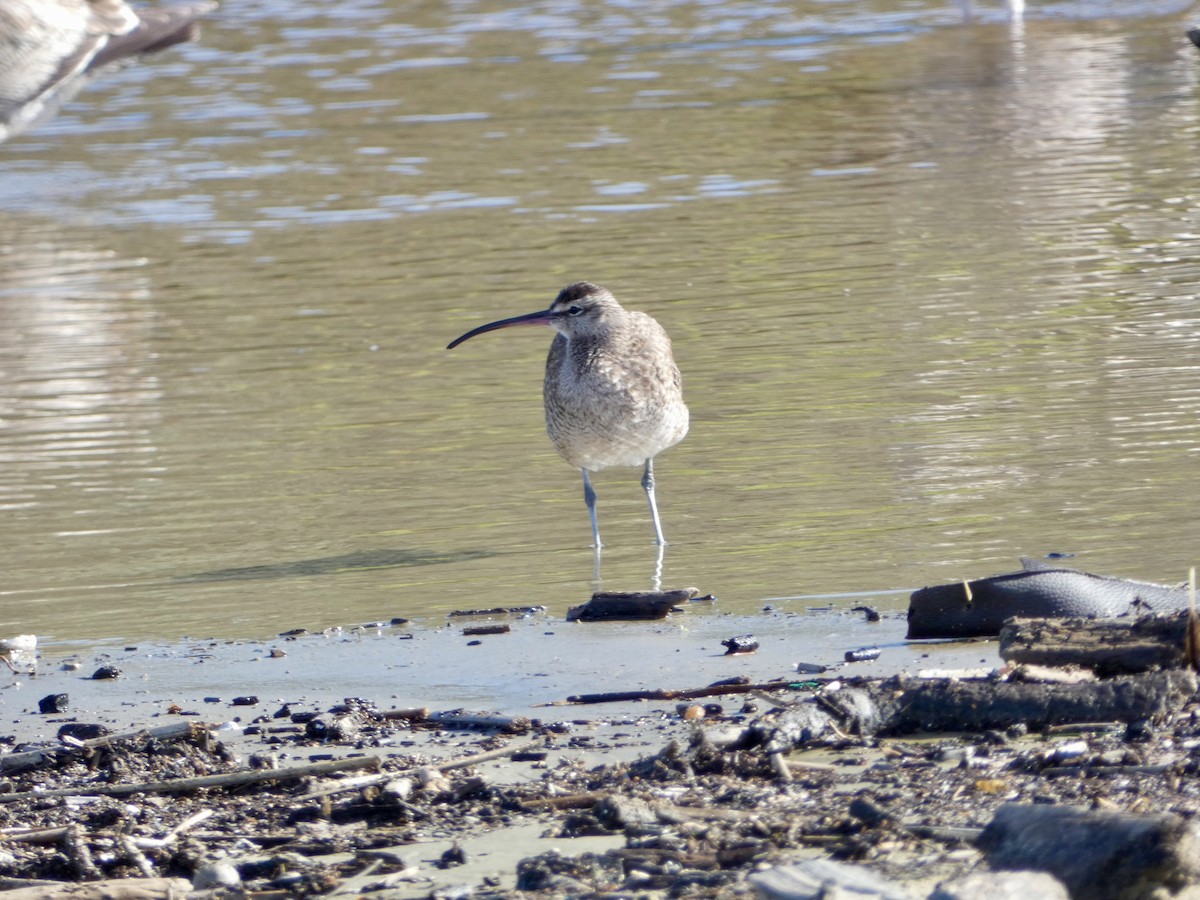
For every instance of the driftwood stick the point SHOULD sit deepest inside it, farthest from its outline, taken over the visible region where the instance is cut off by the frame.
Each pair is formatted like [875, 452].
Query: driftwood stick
[452, 719]
[463, 761]
[355, 784]
[169, 837]
[229, 779]
[135, 855]
[1060, 771]
[568, 801]
[714, 690]
[34, 836]
[77, 851]
[415, 714]
[117, 889]
[10, 885]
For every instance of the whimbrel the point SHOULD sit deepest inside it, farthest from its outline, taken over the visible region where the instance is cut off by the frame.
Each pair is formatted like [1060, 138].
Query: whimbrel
[612, 390]
[50, 48]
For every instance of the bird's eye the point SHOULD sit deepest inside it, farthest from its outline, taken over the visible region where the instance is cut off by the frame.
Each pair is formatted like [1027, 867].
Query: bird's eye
[575, 310]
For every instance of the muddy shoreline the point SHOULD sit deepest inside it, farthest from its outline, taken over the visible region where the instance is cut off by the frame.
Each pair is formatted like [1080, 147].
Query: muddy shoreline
[477, 778]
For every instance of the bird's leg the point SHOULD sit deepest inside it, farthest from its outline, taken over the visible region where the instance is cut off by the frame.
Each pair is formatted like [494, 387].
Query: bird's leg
[589, 497]
[648, 485]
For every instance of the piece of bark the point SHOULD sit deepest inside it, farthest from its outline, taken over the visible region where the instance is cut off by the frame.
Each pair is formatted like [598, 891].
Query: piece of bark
[117, 889]
[475, 630]
[630, 605]
[1096, 854]
[1106, 646]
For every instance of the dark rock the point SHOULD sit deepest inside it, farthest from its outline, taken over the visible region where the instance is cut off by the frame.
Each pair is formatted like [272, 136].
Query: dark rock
[742, 643]
[82, 731]
[1097, 854]
[53, 703]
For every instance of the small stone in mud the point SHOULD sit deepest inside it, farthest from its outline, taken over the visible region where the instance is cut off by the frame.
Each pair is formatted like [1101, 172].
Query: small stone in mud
[399, 621]
[863, 654]
[106, 672]
[455, 856]
[249, 700]
[742, 643]
[811, 668]
[53, 703]
[690, 712]
[1139, 731]
[276, 653]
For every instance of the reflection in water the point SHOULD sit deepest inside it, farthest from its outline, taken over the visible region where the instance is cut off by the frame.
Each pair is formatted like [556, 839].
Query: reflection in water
[76, 402]
[338, 565]
[931, 286]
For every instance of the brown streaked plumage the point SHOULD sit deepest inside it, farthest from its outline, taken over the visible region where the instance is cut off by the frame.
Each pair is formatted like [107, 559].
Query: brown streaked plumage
[50, 48]
[612, 392]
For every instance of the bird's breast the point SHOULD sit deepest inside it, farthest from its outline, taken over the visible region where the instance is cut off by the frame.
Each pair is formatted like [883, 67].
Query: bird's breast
[611, 409]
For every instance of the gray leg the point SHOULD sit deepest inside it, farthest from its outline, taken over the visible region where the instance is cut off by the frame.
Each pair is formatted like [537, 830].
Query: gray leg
[589, 497]
[648, 484]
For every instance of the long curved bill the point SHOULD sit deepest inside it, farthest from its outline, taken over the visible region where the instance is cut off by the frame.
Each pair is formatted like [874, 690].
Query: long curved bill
[542, 317]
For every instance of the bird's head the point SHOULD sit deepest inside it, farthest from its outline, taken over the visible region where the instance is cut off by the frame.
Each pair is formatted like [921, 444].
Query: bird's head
[580, 310]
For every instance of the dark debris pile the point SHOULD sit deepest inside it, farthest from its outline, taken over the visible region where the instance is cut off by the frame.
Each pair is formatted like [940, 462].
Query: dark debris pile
[695, 819]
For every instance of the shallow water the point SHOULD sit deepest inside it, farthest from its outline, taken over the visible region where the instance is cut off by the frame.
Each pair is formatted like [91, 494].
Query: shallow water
[932, 286]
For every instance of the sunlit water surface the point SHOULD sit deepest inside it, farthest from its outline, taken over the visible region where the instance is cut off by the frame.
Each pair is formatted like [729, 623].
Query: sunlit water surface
[932, 285]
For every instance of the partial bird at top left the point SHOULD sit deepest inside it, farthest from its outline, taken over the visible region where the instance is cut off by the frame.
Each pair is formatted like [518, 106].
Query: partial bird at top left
[49, 49]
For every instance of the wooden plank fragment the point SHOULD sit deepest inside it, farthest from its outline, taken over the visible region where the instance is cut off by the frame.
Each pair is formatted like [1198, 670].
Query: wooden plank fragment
[1106, 646]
